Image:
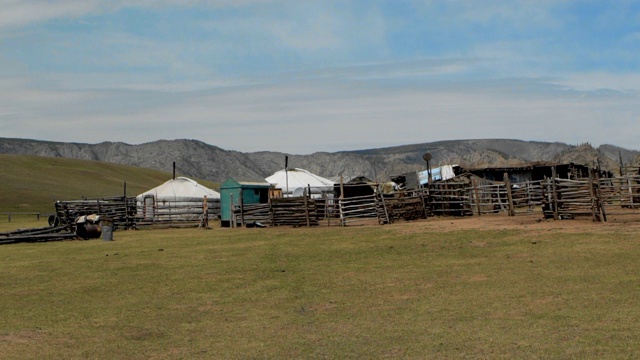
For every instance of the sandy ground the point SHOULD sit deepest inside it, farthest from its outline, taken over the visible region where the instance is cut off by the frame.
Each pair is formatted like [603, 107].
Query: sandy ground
[629, 222]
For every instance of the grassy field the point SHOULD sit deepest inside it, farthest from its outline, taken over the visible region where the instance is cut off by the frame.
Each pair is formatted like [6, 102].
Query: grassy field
[408, 290]
[33, 183]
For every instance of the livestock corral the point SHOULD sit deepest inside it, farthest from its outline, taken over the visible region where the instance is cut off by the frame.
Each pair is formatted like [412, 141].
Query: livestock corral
[587, 196]
[464, 195]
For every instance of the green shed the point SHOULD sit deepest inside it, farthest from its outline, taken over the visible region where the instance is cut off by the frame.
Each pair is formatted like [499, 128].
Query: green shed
[232, 192]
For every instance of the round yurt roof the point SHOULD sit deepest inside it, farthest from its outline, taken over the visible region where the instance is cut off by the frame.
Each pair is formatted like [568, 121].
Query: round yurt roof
[297, 178]
[180, 188]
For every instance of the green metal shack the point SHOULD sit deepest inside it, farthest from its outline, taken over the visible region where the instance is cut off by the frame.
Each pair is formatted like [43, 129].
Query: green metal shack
[233, 192]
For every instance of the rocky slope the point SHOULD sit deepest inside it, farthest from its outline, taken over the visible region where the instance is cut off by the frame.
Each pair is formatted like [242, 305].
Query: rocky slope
[197, 159]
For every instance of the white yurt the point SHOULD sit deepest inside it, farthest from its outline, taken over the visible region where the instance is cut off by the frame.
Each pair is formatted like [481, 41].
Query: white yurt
[174, 196]
[293, 182]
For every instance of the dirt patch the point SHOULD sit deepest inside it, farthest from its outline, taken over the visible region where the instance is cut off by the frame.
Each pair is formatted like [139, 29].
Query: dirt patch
[534, 222]
[22, 337]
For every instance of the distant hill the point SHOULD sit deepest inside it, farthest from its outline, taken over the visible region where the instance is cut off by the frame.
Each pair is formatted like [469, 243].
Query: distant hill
[34, 183]
[200, 160]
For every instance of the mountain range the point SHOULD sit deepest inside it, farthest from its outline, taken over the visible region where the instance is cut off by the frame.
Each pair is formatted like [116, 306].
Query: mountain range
[197, 159]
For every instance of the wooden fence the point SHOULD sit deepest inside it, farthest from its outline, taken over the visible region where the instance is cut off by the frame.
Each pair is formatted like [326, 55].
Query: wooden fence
[127, 214]
[181, 213]
[122, 211]
[291, 211]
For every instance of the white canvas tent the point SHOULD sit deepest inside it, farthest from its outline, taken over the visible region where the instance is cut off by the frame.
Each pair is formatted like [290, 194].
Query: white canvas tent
[294, 181]
[177, 196]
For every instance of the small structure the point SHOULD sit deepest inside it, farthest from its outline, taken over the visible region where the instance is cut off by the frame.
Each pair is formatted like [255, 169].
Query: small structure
[240, 193]
[362, 186]
[415, 180]
[293, 182]
[533, 172]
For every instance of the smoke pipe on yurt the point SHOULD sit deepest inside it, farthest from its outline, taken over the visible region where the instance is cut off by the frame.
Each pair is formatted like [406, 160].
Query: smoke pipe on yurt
[286, 173]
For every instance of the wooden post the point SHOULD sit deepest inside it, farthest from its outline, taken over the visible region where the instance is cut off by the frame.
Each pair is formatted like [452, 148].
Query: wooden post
[205, 213]
[529, 196]
[476, 195]
[507, 184]
[594, 216]
[630, 187]
[384, 205]
[424, 207]
[306, 207]
[554, 193]
[326, 211]
[271, 214]
[241, 201]
[340, 201]
[599, 197]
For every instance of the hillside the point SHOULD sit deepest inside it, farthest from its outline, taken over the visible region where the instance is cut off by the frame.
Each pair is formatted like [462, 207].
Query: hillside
[33, 183]
[200, 160]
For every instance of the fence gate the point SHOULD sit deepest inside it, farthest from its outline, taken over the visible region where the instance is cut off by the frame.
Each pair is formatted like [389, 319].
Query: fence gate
[358, 208]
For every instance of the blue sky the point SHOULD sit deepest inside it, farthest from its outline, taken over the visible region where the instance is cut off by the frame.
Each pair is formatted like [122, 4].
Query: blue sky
[306, 76]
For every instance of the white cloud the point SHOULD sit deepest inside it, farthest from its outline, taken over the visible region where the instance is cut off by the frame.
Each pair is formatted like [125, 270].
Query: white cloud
[308, 116]
[18, 13]
[598, 81]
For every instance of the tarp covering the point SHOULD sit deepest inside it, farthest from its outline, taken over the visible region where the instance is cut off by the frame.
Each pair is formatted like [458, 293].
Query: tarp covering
[441, 173]
[298, 179]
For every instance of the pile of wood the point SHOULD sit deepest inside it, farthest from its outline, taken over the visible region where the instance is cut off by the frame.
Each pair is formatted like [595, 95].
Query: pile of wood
[50, 233]
[403, 205]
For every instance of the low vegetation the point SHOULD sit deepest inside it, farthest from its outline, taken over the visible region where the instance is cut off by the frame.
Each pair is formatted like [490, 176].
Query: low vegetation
[408, 290]
[34, 183]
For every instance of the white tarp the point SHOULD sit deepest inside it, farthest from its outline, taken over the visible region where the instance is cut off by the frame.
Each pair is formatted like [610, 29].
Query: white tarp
[294, 181]
[441, 173]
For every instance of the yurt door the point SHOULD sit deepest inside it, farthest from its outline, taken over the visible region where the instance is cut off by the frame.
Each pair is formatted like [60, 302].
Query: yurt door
[149, 209]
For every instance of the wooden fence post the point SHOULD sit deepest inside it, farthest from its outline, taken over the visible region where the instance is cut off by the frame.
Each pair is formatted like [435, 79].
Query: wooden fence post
[476, 195]
[554, 193]
[306, 207]
[600, 201]
[594, 215]
[384, 205]
[205, 213]
[342, 221]
[424, 206]
[271, 212]
[507, 184]
[241, 207]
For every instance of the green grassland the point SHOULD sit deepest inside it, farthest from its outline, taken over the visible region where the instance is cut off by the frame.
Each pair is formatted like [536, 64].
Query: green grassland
[396, 291]
[321, 293]
[33, 183]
